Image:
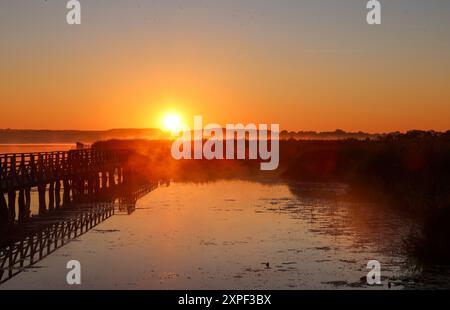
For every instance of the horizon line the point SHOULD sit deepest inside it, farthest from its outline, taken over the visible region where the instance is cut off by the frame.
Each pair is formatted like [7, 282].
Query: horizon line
[280, 131]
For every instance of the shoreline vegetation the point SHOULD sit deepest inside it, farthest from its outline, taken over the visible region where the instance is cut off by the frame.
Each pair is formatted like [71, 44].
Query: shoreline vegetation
[31, 136]
[410, 172]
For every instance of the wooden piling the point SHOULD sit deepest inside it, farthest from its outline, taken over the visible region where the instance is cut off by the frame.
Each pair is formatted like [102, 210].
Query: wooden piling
[112, 178]
[119, 175]
[4, 213]
[91, 185]
[41, 195]
[51, 196]
[58, 194]
[22, 206]
[66, 192]
[104, 180]
[12, 206]
[97, 183]
[27, 202]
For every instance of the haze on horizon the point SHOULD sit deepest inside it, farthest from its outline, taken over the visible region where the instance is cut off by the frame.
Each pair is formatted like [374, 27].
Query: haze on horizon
[307, 65]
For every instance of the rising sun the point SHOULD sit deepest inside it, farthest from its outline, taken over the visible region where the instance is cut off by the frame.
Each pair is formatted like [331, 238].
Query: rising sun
[173, 123]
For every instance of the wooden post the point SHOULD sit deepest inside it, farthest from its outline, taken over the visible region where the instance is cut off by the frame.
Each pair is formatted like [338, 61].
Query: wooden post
[66, 192]
[51, 196]
[74, 189]
[41, 194]
[58, 193]
[119, 173]
[77, 189]
[27, 202]
[13, 170]
[22, 206]
[112, 178]
[12, 206]
[96, 183]
[4, 213]
[104, 180]
[91, 181]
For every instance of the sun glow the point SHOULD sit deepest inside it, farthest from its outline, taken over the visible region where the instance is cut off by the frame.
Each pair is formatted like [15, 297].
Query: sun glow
[173, 122]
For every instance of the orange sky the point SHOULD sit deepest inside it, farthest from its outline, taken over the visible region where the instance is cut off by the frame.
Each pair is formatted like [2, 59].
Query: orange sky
[290, 63]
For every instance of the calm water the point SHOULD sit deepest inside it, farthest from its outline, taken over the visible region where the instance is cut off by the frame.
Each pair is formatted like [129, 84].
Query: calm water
[29, 148]
[220, 235]
[238, 235]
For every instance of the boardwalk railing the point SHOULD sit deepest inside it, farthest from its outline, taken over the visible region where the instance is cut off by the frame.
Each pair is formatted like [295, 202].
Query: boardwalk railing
[83, 173]
[32, 169]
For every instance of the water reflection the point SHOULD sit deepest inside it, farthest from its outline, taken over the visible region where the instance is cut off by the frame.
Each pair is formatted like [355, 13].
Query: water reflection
[25, 244]
[239, 234]
[33, 242]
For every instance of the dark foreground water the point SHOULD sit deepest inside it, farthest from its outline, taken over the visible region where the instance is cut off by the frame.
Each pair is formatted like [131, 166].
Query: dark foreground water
[239, 235]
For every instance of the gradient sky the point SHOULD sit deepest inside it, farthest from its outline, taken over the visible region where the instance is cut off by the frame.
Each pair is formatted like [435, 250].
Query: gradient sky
[307, 65]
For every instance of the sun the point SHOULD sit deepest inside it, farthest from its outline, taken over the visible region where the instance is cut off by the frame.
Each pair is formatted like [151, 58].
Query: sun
[172, 122]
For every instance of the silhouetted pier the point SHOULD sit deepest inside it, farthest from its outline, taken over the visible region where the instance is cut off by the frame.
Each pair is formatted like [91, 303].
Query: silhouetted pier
[78, 175]
[95, 186]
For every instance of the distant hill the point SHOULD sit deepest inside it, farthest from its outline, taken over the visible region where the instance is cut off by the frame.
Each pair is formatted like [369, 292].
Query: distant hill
[11, 136]
[338, 134]
[14, 136]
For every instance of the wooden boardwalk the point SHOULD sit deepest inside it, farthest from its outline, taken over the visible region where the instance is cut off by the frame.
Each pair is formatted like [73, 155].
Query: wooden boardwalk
[77, 174]
[27, 243]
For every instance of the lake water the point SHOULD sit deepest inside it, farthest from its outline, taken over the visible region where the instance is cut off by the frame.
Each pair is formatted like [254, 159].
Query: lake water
[221, 235]
[240, 234]
[30, 148]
